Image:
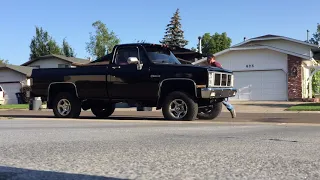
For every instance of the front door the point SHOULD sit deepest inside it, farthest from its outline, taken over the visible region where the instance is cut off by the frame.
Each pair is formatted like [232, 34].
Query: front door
[127, 81]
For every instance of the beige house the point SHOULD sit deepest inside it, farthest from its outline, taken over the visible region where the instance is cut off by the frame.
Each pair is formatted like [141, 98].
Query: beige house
[269, 67]
[13, 77]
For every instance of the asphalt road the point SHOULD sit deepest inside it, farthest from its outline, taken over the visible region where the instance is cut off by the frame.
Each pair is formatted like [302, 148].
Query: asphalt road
[135, 149]
[290, 117]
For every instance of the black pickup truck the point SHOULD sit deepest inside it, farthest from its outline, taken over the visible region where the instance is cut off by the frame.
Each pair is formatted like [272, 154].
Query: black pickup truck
[141, 73]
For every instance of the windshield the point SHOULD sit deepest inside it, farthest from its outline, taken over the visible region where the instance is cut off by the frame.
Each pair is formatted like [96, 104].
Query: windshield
[162, 56]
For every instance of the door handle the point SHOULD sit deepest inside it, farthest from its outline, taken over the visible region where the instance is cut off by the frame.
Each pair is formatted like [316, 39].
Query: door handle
[116, 67]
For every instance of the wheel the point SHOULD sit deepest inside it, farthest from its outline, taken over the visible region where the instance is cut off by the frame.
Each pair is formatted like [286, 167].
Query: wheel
[66, 105]
[210, 112]
[179, 106]
[105, 112]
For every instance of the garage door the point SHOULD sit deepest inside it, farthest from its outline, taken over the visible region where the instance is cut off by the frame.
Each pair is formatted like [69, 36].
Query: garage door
[260, 85]
[10, 90]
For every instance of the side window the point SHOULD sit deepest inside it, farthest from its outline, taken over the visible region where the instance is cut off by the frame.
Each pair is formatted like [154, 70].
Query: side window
[124, 53]
[0, 88]
[143, 56]
[37, 67]
[63, 65]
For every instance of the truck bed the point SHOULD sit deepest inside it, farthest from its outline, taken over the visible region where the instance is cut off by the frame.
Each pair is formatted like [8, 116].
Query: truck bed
[42, 78]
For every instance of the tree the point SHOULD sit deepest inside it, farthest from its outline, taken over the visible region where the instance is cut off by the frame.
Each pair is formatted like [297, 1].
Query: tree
[174, 35]
[67, 50]
[43, 44]
[3, 61]
[214, 43]
[102, 41]
[316, 36]
[316, 77]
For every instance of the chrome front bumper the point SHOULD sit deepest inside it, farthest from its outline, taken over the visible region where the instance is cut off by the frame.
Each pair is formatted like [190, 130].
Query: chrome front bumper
[218, 92]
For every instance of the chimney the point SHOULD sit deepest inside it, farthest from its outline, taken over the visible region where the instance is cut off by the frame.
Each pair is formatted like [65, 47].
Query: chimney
[89, 58]
[307, 35]
[244, 39]
[200, 47]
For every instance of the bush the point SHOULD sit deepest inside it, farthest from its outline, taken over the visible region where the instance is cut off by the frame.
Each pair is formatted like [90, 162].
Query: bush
[23, 90]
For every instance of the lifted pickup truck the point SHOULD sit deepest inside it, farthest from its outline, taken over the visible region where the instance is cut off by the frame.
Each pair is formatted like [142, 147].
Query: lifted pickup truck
[141, 73]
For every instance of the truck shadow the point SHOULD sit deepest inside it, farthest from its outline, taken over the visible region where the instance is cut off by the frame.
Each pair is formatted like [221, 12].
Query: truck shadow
[8, 173]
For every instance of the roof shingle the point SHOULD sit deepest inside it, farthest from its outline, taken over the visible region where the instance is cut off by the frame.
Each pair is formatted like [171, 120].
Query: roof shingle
[21, 69]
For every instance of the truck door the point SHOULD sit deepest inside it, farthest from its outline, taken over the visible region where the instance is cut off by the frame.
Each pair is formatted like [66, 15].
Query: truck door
[127, 81]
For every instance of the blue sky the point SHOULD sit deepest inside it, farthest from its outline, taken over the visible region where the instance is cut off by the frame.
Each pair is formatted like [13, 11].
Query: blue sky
[146, 20]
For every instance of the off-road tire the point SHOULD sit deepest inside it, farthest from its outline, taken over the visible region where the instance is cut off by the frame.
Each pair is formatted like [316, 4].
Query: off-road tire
[192, 106]
[105, 112]
[215, 108]
[75, 105]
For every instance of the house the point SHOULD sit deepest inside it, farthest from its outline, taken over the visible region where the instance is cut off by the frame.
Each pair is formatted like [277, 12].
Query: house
[269, 67]
[13, 77]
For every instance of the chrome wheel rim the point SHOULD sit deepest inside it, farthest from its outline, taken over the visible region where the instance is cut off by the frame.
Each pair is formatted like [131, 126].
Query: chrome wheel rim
[64, 107]
[178, 108]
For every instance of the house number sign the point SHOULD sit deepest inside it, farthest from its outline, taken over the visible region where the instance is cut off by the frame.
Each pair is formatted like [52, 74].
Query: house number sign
[249, 65]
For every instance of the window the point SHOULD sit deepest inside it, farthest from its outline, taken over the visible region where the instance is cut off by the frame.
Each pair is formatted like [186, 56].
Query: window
[63, 65]
[124, 53]
[161, 55]
[36, 67]
[0, 88]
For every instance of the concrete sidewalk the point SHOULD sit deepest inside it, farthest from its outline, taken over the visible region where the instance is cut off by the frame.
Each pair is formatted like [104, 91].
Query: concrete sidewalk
[264, 106]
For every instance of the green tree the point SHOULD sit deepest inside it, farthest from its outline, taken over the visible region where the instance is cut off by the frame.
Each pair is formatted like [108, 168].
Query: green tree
[316, 36]
[214, 43]
[43, 44]
[174, 35]
[316, 77]
[102, 41]
[67, 50]
[3, 61]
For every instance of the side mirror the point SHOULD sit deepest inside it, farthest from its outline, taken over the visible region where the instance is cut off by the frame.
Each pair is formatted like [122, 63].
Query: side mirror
[133, 60]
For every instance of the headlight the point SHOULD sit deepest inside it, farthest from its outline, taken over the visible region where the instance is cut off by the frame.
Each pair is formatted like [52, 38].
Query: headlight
[210, 79]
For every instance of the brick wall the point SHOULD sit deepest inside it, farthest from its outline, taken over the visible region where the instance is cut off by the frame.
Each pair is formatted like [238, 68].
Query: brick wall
[294, 78]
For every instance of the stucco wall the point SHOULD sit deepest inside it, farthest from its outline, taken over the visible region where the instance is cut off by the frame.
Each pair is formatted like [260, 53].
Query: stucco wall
[49, 63]
[7, 75]
[253, 60]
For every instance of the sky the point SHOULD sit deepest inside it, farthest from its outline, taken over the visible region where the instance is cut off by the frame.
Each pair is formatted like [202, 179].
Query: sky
[133, 20]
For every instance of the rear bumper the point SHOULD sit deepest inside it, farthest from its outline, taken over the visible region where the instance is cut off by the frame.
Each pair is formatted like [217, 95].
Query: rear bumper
[1, 101]
[218, 92]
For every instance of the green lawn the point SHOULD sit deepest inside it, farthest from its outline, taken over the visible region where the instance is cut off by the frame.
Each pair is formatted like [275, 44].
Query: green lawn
[15, 106]
[305, 107]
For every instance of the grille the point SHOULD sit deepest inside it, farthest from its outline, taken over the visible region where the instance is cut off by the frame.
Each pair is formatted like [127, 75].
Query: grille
[222, 79]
